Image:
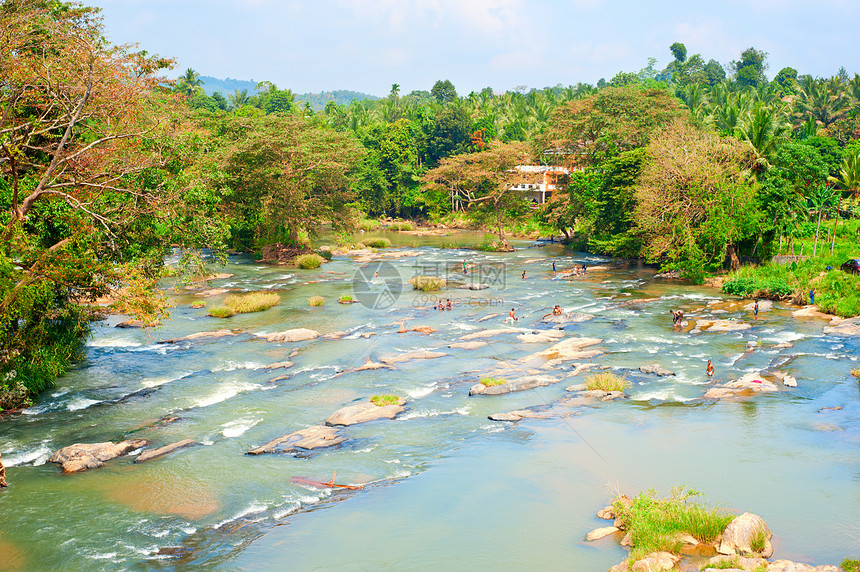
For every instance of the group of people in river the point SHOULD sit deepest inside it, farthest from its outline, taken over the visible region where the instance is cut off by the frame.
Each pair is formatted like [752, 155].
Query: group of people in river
[443, 305]
[575, 271]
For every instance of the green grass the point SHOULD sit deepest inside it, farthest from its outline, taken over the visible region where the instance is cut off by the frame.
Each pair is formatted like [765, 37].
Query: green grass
[325, 253]
[427, 283]
[367, 224]
[309, 261]
[383, 400]
[732, 563]
[346, 300]
[198, 305]
[378, 242]
[316, 301]
[401, 225]
[251, 302]
[655, 524]
[221, 312]
[606, 381]
[758, 540]
[851, 565]
[491, 381]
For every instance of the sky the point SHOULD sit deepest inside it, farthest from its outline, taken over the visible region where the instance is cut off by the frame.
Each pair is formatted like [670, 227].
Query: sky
[311, 46]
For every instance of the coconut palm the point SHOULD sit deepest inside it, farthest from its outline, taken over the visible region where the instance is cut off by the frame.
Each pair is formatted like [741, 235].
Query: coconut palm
[190, 83]
[848, 180]
[824, 100]
[238, 98]
[766, 128]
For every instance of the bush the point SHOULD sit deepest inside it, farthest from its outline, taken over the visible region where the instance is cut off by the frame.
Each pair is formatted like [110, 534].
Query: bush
[758, 287]
[325, 253]
[309, 261]
[383, 400]
[346, 300]
[316, 301]
[221, 312]
[367, 224]
[199, 304]
[655, 524]
[851, 565]
[491, 381]
[377, 242]
[401, 225]
[251, 302]
[427, 283]
[606, 382]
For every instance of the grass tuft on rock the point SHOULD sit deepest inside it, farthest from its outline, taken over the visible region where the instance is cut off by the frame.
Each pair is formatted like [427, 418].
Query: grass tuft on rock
[758, 540]
[655, 524]
[851, 565]
[346, 300]
[198, 305]
[732, 563]
[491, 381]
[316, 301]
[221, 312]
[251, 302]
[427, 283]
[378, 242]
[383, 400]
[401, 225]
[606, 381]
[367, 224]
[309, 261]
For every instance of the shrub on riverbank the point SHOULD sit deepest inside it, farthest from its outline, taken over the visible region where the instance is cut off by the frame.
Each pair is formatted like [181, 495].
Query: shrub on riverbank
[851, 565]
[325, 253]
[367, 224]
[383, 400]
[378, 242]
[316, 301]
[309, 261]
[606, 381]
[655, 524]
[427, 283]
[401, 225]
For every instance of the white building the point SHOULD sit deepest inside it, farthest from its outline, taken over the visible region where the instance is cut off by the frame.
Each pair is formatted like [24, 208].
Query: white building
[542, 182]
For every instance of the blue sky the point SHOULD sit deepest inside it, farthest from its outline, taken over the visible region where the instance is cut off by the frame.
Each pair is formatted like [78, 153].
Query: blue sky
[367, 45]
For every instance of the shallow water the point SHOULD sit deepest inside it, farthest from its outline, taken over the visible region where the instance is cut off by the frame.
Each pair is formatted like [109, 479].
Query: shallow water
[447, 488]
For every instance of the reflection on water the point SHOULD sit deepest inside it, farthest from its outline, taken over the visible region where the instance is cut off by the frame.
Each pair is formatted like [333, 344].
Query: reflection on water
[444, 484]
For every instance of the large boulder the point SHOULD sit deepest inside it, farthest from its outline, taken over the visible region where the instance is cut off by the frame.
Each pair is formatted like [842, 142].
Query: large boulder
[567, 318]
[599, 533]
[521, 384]
[294, 335]
[489, 333]
[364, 412]
[742, 533]
[569, 349]
[316, 437]
[151, 454]
[723, 562]
[849, 327]
[656, 369]
[467, 345]
[789, 566]
[541, 337]
[753, 382]
[200, 335]
[82, 456]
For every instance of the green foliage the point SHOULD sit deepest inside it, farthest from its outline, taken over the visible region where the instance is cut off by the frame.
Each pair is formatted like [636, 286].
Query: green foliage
[378, 242]
[655, 524]
[443, 91]
[309, 261]
[221, 312]
[732, 563]
[752, 287]
[850, 565]
[383, 400]
[606, 381]
[251, 301]
[491, 381]
[325, 253]
[400, 225]
[367, 224]
[427, 283]
[316, 301]
[346, 300]
[758, 540]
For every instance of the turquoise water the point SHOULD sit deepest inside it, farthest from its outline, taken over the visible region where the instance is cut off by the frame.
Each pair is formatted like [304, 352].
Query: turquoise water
[445, 486]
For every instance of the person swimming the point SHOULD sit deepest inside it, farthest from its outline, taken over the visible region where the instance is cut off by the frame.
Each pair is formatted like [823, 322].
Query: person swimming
[449, 305]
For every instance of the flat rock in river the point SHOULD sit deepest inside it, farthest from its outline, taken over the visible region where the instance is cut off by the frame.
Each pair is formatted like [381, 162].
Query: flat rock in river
[82, 456]
[849, 327]
[489, 333]
[521, 384]
[200, 336]
[364, 412]
[414, 354]
[151, 454]
[294, 335]
[657, 369]
[467, 345]
[569, 349]
[316, 437]
[567, 318]
[541, 336]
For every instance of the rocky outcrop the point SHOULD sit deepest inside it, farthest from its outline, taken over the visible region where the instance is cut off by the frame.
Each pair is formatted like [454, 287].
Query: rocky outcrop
[489, 333]
[3, 482]
[810, 312]
[82, 456]
[138, 324]
[467, 345]
[149, 455]
[763, 306]
[742, 533]
[789, 566]
[316, 437]
[200, 336]
[569, 349]
[746, 385]
[721, 325]
[786, 379]
[521, 384]
[364, 412]
[280, 365]
[294, 335]
[656, 369]
[415, 354]
[543, 336]
[567, 318]
[472, 286]
[599, 533]
[211, 292]
[654, 562]
[488, 317]
[849, 327]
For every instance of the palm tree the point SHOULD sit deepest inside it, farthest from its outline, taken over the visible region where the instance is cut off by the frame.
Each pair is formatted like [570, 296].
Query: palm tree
[190, 83]
[824, 100]
[766, 129]
[849, 175]
[238, 98]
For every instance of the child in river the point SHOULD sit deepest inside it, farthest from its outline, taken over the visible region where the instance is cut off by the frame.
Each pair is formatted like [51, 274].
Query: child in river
[710, 369]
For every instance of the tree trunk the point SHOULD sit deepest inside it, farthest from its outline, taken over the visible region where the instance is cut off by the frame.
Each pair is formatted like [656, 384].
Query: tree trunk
[503, 242]
[734, 261]
[817, 227]
[835, 222]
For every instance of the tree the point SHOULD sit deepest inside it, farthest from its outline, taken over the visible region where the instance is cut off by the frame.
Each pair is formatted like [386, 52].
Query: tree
[695, 202]
[679, 52]
[443, 91]
[714, 72]
[238, 98]
[848, 179]
[482, 182]
[451, 133]
[91, 163]
[749, 71]
[190, 83]
[787, 80]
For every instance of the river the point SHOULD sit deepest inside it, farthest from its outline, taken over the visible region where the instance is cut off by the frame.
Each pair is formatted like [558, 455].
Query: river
[446, 488]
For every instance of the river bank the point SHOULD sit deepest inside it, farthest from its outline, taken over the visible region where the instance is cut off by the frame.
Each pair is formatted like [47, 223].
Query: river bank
[442, 482]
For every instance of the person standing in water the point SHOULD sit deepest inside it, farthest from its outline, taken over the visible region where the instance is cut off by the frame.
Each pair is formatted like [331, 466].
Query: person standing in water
[553, 265]
[710, 369]
[464, 266]
[812, 297]
[755, 310]
[677, 317]
[524, 274]
[512, 316]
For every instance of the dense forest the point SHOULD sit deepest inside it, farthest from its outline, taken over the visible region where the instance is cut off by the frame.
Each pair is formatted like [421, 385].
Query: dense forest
[106, 167]
[316, 101]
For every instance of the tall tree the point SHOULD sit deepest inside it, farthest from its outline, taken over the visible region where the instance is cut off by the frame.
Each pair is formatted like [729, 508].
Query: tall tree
[190, 83]
[443, 91]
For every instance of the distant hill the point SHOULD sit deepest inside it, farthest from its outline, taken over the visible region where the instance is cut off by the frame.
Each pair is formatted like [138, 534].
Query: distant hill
[318, 101]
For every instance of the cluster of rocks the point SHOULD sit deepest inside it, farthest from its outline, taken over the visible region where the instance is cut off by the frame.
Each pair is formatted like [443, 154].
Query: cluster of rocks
[747, 386]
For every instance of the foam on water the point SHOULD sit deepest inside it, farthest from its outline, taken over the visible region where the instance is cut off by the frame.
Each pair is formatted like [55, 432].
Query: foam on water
[37, 456]
[156, 381]
[79, 403]
[233, 366]
[113, 343]
[225, 392]
[422, 391]
[238, 427]
[435, 413]
[253, 509]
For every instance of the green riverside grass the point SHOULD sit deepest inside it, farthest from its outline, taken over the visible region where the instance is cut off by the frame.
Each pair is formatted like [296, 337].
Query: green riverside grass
[383, 400]
[427, 283]
[309, 261]
[655, 524]
[401, 225]
[367, 224]
[491, 381]
[379, 242]
[851, 565]
[252, 301]
[221, 312]
[606, 382]
[732, 563]
[346, 300]
[758, 540]
[316, 301]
